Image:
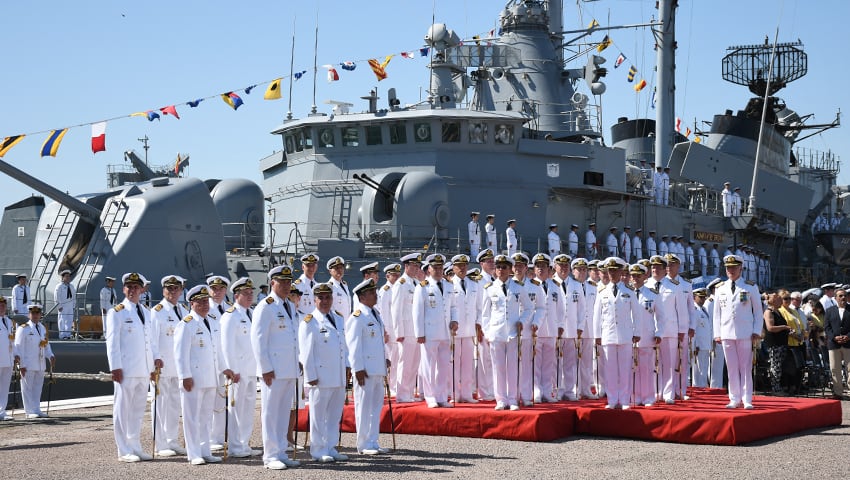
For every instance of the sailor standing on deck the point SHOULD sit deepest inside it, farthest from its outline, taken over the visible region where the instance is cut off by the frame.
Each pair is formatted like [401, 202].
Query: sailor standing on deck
[324, 355]
[510, 237]
[726, 198]
[403, 334]
[306, 282]
[554, 240]
[274, 340]
[7, 356]
[572, 241]
[625, 243]
[107, 298]
[341, 294]
[129, 349]
[474, 234]
[218, 304]
[702, 256]
[657, 187]
[591, 247]
[637, 245]
[31, 349]
[64, 296]
[365, 341]
[651, 246]
[21, 296]
[737, 325]
[611, 242]
[490, 229]
[165, 316]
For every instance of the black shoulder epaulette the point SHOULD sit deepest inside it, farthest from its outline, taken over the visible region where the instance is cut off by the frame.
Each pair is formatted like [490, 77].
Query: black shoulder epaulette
[535, 281]
[119, 307]
[750, 283]
[158, 307]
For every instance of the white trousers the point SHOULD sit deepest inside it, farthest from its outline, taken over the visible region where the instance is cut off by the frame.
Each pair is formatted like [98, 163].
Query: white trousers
[680, 379]
[699, 370]
[544, 370]
[646, 379]
[618, 372]
[391, 348]
[167, 413]
[485, 371]
[31, 385]
[526, 376]
[276, 403]
[568, 363]
[504, 356]
[739, 363]
[128, 410]
[368, 402]
[325, 413]
[585, 371]
[243, 403]
[407, 369]
[66, 322]
[197, 417]
[668, 362]
[474, 247]
[5, 382]
[717, 364]
[435, 366]
[217, 421]
[464, 368]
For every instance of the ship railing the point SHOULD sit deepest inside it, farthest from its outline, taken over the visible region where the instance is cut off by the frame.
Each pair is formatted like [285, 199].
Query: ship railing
[587, 120]
[818, 160]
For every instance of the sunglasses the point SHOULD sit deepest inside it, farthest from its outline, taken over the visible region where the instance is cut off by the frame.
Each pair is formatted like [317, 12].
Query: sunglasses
[502, 267]
[841, 296]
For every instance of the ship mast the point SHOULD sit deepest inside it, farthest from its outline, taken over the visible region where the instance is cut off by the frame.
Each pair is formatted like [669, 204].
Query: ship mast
[665, 39]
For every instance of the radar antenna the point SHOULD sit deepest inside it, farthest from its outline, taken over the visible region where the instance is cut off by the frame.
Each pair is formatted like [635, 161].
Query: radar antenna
[748, 65]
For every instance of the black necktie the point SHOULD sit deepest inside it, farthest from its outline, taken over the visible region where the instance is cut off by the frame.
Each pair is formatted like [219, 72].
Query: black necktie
[177, 312]
[248, 312]
[703, 310]
[440, 286]
[545, 288]
[615, 290]
[463, 284]
[505, 289]
[111, 296]
[6, 325]
[25, 294]
[220, 309]
[733, 287]
[140, 313]
[286, 306]
[68, 289]
[331, 319]
[583, 289]
[207, 323]
[312, 284]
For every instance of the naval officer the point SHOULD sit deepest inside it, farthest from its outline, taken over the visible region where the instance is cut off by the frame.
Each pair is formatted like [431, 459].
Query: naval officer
[165, 316]
[107, 299]
[129, 349]
[274, 339]
[31, 349]
[737, 320]
[365, 339]
[572, 241]
[324, 356]
[554, 240]
[467, 300]
[510, 237]
[218, 301]
[196, 354]
[21, 296]
[490, 229]
[341, 294]
[64, 296]
[474, 234]
[306, 282]
[370, 270]
[7, 356]
[239, 360]
[402, 332]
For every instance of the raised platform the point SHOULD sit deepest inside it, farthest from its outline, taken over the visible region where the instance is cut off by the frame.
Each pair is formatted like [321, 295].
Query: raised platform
[701, 420]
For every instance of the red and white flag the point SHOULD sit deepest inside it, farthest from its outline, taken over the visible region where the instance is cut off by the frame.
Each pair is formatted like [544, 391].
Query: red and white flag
[678, 124]
[408, 55]
[333, 75]
[98, 137]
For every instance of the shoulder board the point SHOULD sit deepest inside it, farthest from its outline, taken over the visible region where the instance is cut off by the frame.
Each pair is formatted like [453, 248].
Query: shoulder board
[296, 282]
[521, 284]
[308, 317]
[488, 285]
[401, 280]
[230, 310]
[535, 281]
[591, 282]
[674, 282]
[356, 313]
[750, 283]
[423, 283]
[654, 290]
[188, 319]
[600, 287]
[269, 300]
[228, 302]
[158, 307]
[336, 312]
[119, 307]
[387, 287]
[686, 280]
[557, 282]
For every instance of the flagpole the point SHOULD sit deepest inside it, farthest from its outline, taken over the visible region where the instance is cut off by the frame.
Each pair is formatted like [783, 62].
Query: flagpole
[315, 67]
[291, 67]
[751, 209]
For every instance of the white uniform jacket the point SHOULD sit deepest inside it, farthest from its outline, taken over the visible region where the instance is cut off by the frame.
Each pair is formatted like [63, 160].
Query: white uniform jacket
[467, 300]
[402, 307]
[551, 307]
[738, 315]
[322, 349]
[308, 299]
[503, 308]
[613, 314]
[165, 318]
[644, 318]
[365, 339]
[433, 309]
[274, 337]
[195, 351]
[672, 312]
[29, 342]
[7, 342]
[236, 347]
[129, 342]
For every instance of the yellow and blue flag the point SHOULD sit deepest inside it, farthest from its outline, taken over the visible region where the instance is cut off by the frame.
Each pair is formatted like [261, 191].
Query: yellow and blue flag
[51, 144]
[8, 143]
[232, 99]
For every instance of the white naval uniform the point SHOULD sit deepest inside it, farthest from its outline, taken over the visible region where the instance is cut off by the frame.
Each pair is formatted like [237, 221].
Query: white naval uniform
[728, 202]
[646, 381]
[574, 319]
[492, 241]
[551, 312]
[554, 241]
[612, 245]
[658, 187]
[625, 246]
[64, 296]
[687, 321]
[702, 256]
[718, 361]
[736, 204]
[505, 305]
[308, 299]
[342, 297]
[701, 344]
[467, 300]
[239, 357]
[219, 417]
[587, 345]
[407, 368]
[663, 248]
[384, 307]
[510, 241]
[715, 262]
[689, 258]
[668, 304]
[526, 373]
[474, 239]
[164, 320]
[129, 347]
[613, 313]
[637, 247]
[737, 317]
[590, 245]
[33, 348]
[651, 247]
[7, 359]
[21, 297]
[107, 301]
[324, 355]
[365, 340]
[196, 356]
[433, 311]
[572, 243]
[274, 339]
[485, 361]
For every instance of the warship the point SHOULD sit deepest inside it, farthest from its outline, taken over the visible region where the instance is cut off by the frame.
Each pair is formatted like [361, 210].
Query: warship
[511, 126]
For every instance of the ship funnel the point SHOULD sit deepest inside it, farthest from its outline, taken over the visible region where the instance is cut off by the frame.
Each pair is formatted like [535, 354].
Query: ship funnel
[498, 73]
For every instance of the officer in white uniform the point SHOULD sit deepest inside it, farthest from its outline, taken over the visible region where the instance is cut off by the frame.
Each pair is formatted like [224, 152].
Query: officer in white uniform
[392, 272]
[591, 247]
[702, 340]
[402, 332]
[625, 243]
[129, 349]
[505, 310]
[572, 295]
[324, 356]
[65, 298]
[686, 320]
[728, 202]
[551, 312]
[467, 300]
[474, 234]
[529, 328]
[485, 362]
[239, 360]
[611, 243]
[370, 270]
[165, 316]
[341, 293]
[572, 241]
[667, 335]
[737, 325]
[490, 229]
[702, 257]
[554, 240]
[637, 245]
[663, 246]
[107, 298]
[584, 336]
[365, 340]
[31, 349]
[306, 282]
[434, 323]
[736, 202]
[651, 246]
[7, 356]
[646, 382]
[196, 356]
[218, 305]
[718, 361]
[510, 237]
[274, 339]
[614, 310]
[21, 296]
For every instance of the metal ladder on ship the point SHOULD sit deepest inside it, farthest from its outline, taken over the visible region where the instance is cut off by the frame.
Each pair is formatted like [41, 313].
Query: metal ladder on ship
[111, 223]
[60, 232]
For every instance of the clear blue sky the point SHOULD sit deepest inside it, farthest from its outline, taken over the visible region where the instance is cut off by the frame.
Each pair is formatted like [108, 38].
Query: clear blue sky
[71, 63]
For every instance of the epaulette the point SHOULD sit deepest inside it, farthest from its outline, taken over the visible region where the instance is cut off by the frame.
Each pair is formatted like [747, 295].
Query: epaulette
[387, 287]
[296, 282]
[158, 307]
[750, 283]
[336, 312]
[674, 282]
[188, 319]
[521, 284]
[600, 287]
[685, 279]
[488, 285]
[356, 313]
[423, 283]
[230, 310]
[269, 300]
[119, 307]
[557, 282]
[591, 282]
[535, 281]
[401, 280]
[228, 302]
[308, 317]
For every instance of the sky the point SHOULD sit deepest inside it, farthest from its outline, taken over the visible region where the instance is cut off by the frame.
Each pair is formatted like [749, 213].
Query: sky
[70, 64]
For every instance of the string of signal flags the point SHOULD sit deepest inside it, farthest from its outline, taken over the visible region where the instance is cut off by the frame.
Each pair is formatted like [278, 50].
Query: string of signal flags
[234, 100]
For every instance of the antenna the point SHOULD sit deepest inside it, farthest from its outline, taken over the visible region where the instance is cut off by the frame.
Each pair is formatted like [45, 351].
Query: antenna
[291, 66]
[315, 68]
[144, 141]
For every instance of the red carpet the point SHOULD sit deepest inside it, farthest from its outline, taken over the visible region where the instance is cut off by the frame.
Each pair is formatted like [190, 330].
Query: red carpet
[701, 420]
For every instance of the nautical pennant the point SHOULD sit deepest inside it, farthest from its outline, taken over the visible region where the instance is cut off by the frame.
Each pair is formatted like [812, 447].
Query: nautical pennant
[333, 75]
[348, 65]
[605, 43]
[248, 89]
[98, 137]
[620, 59]
[640, 85]
[298, 75]
[195, 103]
[51, 144]
[632, 73]
[380, 68]
[273, 90]
[233, 100]
[9, 142]
[423, 52]
[170, 110]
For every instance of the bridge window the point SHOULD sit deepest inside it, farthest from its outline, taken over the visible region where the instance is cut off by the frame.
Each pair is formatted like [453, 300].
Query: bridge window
[326, 137]
[451, 132]
[289, 143]
[373, 135]
[478, 132]
[422, 132]
[350, 137]
[504, 134]
[398, 133]
[305, 135]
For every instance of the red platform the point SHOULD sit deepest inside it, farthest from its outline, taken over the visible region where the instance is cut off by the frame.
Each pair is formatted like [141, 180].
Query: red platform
[701, 420]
